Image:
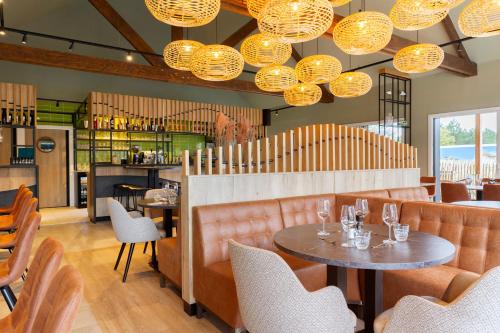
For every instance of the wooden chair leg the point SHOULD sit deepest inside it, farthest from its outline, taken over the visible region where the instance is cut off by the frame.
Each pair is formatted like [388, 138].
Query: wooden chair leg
[129, 259]
[120, 255]
[145, 247]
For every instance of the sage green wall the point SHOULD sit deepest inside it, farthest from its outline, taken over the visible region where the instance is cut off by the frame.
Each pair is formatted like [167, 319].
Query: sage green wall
[432, 94]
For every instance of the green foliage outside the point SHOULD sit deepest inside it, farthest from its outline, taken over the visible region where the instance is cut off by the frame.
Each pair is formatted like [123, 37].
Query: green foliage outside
[454, 134]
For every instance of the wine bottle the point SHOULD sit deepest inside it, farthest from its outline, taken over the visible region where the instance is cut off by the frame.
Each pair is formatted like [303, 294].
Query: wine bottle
[127, 125]
[95, 122]
[112, 123]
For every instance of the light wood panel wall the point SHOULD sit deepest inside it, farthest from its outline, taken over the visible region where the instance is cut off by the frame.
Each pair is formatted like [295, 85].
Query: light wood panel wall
[176, 115]
[325, 147]
[16, 101]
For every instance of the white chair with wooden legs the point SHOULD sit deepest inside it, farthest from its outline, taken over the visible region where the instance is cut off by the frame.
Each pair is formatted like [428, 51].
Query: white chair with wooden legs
[131, 231]
[471, 303]
[272, 299]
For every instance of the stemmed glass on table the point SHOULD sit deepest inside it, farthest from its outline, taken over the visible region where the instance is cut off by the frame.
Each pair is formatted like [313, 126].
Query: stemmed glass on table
[390, 218]
[348, 221]
[323, 210]
[361, 208]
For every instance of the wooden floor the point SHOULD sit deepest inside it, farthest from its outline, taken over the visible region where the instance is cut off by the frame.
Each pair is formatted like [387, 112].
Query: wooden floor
[109, 305]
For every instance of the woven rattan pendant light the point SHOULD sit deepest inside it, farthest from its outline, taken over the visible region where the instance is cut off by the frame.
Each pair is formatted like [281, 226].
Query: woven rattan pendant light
[480, 18]
[295, 21]
[275, 78]
[404, 19]
[318, 69]
[351, 84]
[260, 50]
[255, 6]
[418, 58]
[178, 54]
[428, 6]
[217, 63]
[363, 32]
[303, 94]
[338, 3]
[184, 13]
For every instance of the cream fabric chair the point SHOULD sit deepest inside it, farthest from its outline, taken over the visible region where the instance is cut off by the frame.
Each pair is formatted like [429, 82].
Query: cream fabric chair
[272, 299]
[131, 231]
[470, 304]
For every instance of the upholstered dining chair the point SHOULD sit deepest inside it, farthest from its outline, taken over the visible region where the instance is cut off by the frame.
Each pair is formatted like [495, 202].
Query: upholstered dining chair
[431, 189]
[491, 192]
[8, 241]
[131, 231]
[13, 268]
[9, 222]
[8, 209]
[272, 299]
[451, 192]
[470, 304]
[154, 214]
[43, 267]
[61, 302]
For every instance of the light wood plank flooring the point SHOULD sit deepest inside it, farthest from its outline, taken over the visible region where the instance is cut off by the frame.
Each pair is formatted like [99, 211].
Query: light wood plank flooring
[109, 305]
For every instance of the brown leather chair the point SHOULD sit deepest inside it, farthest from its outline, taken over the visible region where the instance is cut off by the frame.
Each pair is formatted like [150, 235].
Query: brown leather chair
[10, 222]
[12, 268]
[170, 258]
[8, 241]
[431, 189]
[451, 192]
[475, 232]
[491, 192]
[15, 202]
[44, 266]
[61, 302]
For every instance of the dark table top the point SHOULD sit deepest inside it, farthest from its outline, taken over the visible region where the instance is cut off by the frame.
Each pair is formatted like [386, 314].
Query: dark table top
[148, 166]
[419, 251]
[151, 203]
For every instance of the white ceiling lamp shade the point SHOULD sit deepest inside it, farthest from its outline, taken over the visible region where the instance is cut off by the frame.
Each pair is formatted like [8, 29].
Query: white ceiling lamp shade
[363, 33]
[404, 19]
[184, 13]
[295, 21]
[480, 18]
[418, 58]
[428, 6]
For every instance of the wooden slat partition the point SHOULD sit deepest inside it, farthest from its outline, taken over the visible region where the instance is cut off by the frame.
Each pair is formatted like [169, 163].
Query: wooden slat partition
[18, 104]
[326, 147]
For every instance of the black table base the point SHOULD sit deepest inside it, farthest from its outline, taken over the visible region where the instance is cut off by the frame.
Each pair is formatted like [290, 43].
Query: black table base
[168, 222]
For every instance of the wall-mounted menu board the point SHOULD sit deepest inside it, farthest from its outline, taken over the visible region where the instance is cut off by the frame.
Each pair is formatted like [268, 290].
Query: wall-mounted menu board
[17, 104]
[124, 112]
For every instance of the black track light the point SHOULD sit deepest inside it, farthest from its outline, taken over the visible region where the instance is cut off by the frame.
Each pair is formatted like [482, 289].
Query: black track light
[25, 39]
[71, 45]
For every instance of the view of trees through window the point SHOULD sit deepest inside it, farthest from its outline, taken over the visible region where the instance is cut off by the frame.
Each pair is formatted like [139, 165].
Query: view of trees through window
[454, 134]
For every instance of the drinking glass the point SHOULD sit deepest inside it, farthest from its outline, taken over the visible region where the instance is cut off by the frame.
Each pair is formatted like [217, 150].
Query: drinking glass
[323, 210]
[347, 217]
[401, 232]
[390, 217]
[361, 208]
[362, 239]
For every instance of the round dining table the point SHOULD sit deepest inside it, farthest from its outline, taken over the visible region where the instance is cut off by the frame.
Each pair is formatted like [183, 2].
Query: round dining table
[479, 203]
[419, 251]
[168, 222]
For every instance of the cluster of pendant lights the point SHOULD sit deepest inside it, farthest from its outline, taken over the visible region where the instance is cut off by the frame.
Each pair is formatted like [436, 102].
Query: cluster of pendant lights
[283, 22]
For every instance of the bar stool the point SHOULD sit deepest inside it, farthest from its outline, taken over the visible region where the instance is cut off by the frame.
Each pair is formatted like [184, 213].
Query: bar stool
[11, 222]
[12, 268]
[8, 241]
[15, 202]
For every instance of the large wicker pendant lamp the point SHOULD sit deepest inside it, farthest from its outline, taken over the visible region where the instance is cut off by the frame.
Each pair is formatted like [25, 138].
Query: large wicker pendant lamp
[480, 18]
[303, 94]
[351, 84]
[260, 50]
[178, 54]
[318, 69]
[217, 63]
[418, 58]
[275, 78]
[184, 13]
[255, 6]
[363, 33]
[295, 21]
[428, 6]
[405, 19]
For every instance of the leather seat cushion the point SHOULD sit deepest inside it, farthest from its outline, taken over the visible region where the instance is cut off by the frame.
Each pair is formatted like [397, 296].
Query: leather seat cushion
[431, 281]
[168, 261]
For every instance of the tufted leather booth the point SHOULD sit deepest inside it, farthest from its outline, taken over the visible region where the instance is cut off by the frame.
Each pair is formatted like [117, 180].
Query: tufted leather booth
[409, 193]
[475, 232]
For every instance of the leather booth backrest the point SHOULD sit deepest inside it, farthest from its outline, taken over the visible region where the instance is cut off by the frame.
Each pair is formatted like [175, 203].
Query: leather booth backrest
[251, 223]
[451, 192]
[302, 210]
[475, 232]
[375, 206]
[371, 193]
[409, 193]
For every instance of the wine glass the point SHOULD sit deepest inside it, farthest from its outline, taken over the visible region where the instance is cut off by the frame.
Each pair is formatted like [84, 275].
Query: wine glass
[390, 217]
[361, 208]
[347, 217]
[323, 210]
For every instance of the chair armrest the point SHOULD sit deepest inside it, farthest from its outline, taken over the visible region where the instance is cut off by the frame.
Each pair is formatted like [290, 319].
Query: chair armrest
[459, 284]
[330, 301]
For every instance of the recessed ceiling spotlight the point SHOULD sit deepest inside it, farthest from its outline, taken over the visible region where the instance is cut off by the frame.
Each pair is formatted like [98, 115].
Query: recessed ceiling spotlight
[25, 39]
[129, 56]
[2, 32]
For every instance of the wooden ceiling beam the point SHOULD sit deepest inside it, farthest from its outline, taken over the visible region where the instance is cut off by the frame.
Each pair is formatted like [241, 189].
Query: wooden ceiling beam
[451, 62]
[114, 18]
[176, 33]
[65, 60]
[241, 33]
[452, 33]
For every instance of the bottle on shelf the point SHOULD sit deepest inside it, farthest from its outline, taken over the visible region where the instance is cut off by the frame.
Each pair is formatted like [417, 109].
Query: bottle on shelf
[112, 123]
[95, 122]
[23, 119]
[3, 118]
[127, 125]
